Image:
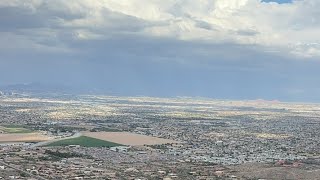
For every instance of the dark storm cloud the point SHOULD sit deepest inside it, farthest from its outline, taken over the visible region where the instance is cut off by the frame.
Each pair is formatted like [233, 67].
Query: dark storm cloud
[13, 18]
[247, 32]
[20, 17]
[204, 25]
[97, 47]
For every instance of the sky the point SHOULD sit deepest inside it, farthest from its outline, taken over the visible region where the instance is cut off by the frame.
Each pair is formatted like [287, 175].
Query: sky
[235, 49]
[279, 1]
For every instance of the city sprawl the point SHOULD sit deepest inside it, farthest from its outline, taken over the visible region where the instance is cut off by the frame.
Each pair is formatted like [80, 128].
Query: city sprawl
[106, 137]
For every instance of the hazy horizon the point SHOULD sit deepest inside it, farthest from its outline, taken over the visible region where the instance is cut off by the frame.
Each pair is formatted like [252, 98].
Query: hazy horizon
[237, 49]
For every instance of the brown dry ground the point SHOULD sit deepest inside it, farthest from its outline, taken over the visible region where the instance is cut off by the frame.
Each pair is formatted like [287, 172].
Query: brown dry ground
[129, 139]
[269, 172]
[24, 137]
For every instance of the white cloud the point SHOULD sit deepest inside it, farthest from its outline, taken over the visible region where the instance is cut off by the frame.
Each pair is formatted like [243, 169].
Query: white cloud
[288, 28]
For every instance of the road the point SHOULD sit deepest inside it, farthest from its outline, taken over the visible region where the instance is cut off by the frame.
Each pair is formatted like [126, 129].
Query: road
[44, 143]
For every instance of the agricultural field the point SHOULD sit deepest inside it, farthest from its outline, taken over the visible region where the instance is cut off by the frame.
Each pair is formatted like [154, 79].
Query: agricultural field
[14, 129]
[129, 139]
[22, 137]
[84, 141]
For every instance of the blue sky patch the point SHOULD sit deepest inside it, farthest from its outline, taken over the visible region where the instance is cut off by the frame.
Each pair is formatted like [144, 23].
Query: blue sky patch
[278, 1]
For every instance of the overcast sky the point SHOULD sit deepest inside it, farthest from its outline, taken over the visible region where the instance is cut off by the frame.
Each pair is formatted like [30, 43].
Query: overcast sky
[233, 49]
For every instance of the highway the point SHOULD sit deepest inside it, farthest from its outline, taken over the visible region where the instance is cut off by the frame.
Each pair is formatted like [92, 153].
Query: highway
[44, 143]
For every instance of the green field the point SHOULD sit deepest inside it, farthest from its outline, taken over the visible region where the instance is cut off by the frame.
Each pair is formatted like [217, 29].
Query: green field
[14, 129]
[85, 142]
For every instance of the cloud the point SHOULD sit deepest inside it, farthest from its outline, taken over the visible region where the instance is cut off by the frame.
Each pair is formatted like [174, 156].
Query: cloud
[287, 28]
